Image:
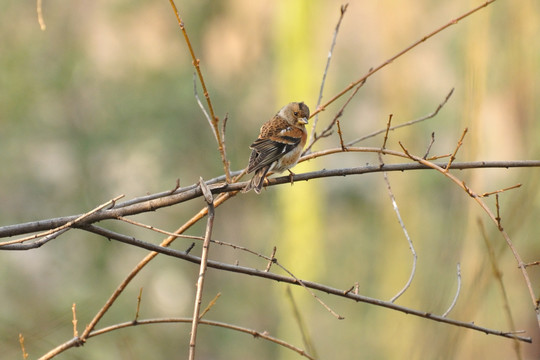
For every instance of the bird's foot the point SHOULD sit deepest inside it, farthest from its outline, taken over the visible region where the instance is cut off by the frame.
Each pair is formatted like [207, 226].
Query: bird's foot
[291, 174]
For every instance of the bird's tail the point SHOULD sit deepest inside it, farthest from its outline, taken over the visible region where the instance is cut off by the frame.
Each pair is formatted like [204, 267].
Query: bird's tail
[257, 180]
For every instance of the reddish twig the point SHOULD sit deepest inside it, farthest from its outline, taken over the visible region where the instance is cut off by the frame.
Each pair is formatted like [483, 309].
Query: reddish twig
[214, 119]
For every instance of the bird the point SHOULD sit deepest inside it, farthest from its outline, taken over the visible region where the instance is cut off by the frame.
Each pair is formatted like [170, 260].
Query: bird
[279, 144]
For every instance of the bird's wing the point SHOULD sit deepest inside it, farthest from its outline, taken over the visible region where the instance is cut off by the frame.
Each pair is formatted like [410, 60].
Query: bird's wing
[277, 138]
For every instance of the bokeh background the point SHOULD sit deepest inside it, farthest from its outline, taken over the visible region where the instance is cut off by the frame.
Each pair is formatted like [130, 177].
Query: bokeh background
[101, 103]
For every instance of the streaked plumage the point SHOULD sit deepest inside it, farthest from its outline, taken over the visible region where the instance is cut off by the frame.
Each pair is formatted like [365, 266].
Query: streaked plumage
[279, 144]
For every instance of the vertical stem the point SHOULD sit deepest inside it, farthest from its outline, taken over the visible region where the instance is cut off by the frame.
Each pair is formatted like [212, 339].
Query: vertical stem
[202, 268]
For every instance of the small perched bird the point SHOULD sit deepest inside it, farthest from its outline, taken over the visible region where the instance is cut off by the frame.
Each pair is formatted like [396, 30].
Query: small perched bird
[279, 144]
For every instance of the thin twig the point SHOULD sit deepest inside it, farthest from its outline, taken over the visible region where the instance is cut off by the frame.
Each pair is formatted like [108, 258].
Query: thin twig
[486, 194]
[453, 156]
[340, 134]
[201, 106]
[196, 64]
[454, 301]
[401, 53]
[161, 231]
[139, 298]
[65, 226]
[283, 279]
[408, 123]
[202, 269]
[498, 217]
[300, 282]
[386, 134]
[403, 228]
[40, 15]
[21, 341]
[256, 334]
[328, 130]
[396, 210]
[74, 321]
[223, 132]
[306, 337]
[272, 259]
[497, 274]
[313, 136]
[210, 305]
[486, 209]
[431, 142]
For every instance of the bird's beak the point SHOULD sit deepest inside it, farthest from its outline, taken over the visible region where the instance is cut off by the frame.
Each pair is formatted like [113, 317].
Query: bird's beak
[303, 120]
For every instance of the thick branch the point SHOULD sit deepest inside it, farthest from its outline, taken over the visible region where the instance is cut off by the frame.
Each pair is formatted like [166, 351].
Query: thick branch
[165, 199]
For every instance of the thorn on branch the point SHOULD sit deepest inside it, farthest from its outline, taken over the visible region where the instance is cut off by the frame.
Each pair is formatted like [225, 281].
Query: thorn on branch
[465, 187]
[345, 292]
[188, 250]
[176, 187]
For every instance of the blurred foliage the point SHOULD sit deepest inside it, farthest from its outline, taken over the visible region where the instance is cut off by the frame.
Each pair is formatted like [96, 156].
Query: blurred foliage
[101, 104]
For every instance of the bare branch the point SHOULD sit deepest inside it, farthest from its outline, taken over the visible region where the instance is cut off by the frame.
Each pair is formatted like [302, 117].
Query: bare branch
[21, 342]
[401, 53]
[409, 123]
[453, 156]
[139, 298]
[457, 293]
[210, 305]
[429, 146]
[201, 106]
[40, 19]
[202, 270]
[290, 280]
[64, 227]
[74, 321]
[313, 135]
[304, 331]
[497, 274]
[164, 199]
[256, 334]
[400, 220]
[486, 194]
[486, 209]
[196, 63]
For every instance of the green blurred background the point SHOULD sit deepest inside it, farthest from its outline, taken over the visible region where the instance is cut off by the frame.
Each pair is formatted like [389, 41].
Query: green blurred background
[102, 104]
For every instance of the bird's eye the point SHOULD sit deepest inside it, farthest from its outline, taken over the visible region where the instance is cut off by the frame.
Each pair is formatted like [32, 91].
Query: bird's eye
[296, 113]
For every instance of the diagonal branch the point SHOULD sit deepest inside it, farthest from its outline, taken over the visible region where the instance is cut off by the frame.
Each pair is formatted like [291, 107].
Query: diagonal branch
[313, 134]
[214, 120]
[291, 280]
[479, 201]
[164, 199]
[399, 54]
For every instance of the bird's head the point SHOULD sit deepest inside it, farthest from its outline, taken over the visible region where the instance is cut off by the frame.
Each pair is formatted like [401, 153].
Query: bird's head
[296, 113]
